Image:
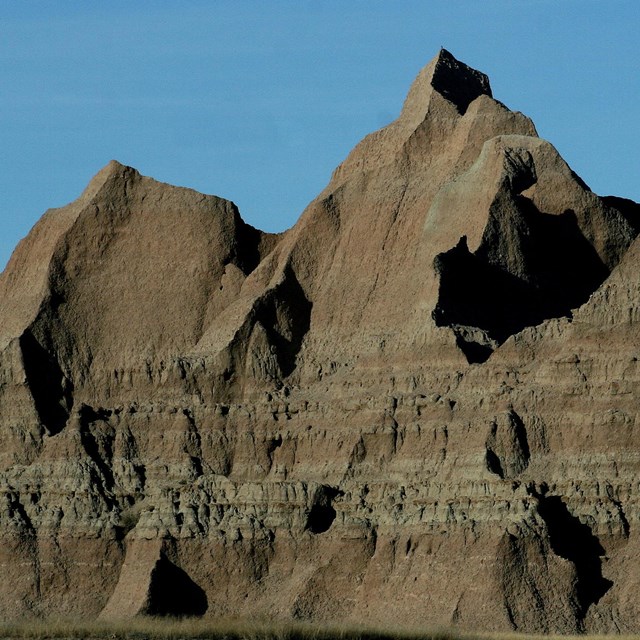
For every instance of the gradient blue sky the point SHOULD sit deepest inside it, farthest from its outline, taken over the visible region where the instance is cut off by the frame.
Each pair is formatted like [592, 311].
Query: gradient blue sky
[258, 101]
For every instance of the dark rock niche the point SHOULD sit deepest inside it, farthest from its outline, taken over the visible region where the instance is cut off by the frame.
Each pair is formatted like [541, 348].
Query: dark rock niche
[172, 593]
[485, 301]
[322, 514]
[52, 391]
[321, 518]
[572, 540]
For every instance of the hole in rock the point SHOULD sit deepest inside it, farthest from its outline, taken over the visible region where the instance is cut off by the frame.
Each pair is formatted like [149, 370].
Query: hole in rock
[321, 518]
[90, 414]
[322, 514]
[173, 593]
[475, 352]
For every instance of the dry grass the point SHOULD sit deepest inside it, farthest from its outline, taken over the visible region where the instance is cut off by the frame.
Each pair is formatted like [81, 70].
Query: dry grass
[190, 629]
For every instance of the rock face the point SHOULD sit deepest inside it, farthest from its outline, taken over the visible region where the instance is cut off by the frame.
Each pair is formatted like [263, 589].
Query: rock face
[418, 406]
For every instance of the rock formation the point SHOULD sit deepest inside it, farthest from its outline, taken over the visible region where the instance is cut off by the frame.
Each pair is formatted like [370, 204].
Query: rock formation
[415, 407]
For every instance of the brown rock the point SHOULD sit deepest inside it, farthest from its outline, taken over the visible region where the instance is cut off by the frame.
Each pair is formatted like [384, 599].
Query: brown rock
[415, 407]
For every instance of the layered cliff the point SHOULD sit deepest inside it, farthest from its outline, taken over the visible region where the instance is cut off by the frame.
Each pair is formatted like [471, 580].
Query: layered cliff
[416, 406]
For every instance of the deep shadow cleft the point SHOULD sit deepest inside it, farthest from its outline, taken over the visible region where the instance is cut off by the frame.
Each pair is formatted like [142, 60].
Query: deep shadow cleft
[52, 391]
[286, 315]
[484, 302]
[574, 541]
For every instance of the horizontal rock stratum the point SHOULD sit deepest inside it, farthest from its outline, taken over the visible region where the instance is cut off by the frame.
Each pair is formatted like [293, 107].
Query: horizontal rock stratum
[418, 406]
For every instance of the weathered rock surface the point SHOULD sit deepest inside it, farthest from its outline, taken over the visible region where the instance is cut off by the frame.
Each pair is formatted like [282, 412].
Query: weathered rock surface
[417, 406]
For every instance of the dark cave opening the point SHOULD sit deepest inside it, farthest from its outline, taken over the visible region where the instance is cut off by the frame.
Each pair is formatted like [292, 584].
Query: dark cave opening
[172, 593]
[320, 518]
[322, 514]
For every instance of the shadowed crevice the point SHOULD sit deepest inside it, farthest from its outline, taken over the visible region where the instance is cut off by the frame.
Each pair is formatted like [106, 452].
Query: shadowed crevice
[52, 391]
[97, 440]
[484, 299]
[507, 446]
[286, 316]
[573, 540]
[247, 246]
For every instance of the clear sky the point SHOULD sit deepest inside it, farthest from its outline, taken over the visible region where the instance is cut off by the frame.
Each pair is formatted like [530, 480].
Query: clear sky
[258, 101]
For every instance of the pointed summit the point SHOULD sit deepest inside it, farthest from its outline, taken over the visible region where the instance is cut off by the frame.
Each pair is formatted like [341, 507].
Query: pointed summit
[457, 82]
[452, 79]
[112, 170]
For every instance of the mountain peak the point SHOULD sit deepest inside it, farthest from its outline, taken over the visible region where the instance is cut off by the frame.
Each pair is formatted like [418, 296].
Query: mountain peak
[458, 82]
[453, 80]
[112, 170]
[438, 361]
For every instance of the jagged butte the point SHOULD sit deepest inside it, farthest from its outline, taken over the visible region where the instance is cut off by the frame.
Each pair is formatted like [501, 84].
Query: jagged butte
[416, 407]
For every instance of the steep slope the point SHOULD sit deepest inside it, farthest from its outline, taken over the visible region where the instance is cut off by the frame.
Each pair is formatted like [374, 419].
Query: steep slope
[416, 406]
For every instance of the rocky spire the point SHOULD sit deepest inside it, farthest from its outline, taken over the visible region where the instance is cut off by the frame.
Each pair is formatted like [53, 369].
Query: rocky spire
[452, 79]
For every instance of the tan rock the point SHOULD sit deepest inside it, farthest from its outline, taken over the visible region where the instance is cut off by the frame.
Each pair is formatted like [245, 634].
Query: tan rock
[416, 407]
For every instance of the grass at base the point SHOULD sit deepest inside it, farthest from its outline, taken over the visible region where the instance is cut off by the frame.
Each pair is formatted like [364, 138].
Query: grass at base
[145, 628]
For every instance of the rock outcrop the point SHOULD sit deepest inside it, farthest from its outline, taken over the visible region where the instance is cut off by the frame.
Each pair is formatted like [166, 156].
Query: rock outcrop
[418, 406]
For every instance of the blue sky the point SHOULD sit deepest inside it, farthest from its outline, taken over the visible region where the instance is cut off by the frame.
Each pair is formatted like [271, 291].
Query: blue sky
[258, 101]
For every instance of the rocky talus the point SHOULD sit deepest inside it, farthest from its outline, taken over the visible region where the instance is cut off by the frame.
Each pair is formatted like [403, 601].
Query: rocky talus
[418, 406]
